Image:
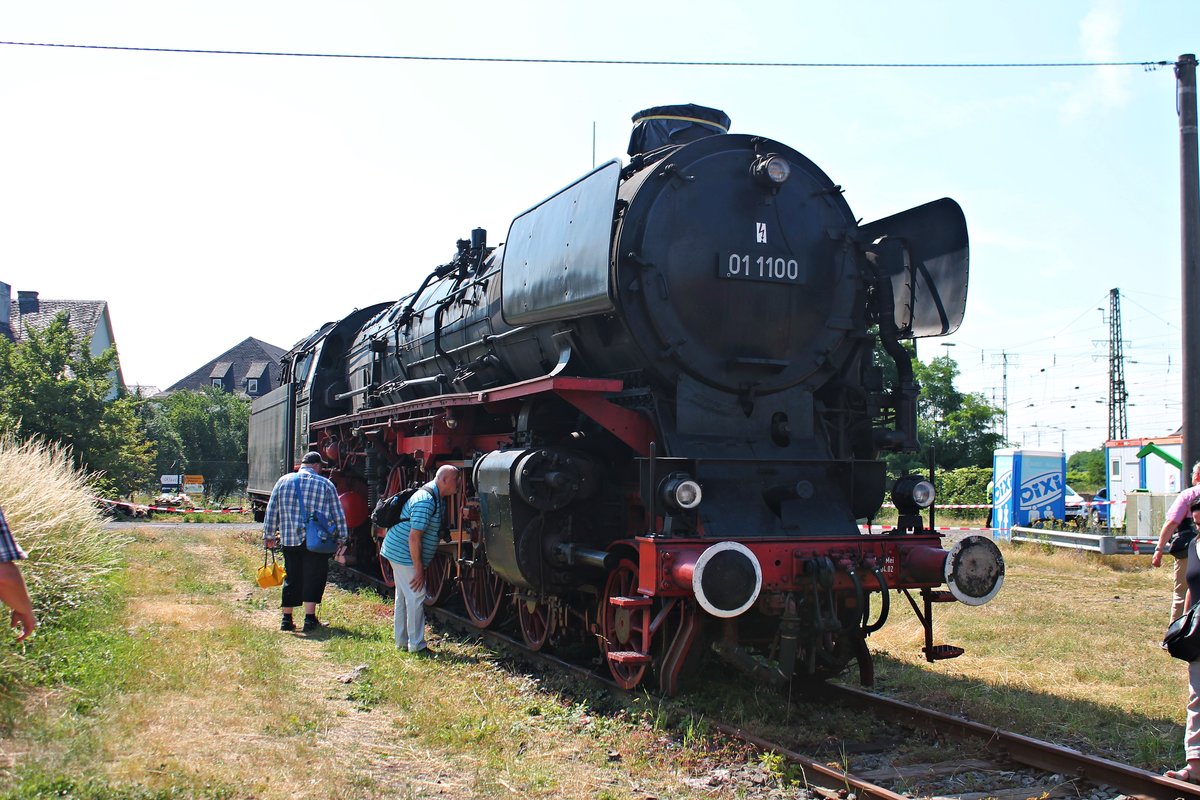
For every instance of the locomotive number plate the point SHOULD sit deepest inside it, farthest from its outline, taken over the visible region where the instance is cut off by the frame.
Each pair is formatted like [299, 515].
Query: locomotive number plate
[743, 267]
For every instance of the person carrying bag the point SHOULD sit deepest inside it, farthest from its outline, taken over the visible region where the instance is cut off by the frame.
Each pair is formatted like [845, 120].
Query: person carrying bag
[305, 519]
[1176, 534]
[1183, 642]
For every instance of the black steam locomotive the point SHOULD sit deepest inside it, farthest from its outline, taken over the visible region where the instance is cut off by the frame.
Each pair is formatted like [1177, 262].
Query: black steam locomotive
[663, 390]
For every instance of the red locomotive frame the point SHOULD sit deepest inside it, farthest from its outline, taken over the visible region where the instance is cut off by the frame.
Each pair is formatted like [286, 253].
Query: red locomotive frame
[646, 614]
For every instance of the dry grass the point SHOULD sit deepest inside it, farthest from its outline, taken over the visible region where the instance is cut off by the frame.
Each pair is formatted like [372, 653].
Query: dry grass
[1068, 651]
[48, 506]
[207, 698]
[194, 692]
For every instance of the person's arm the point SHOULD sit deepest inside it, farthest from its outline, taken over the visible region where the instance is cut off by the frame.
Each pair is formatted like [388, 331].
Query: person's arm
[271, 518]
[1168, 530]
[422, 513]
[338, 514]
[14, 595]
[414, 552]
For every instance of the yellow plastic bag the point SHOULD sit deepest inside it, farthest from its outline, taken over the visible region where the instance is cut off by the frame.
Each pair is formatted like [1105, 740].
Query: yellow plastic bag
[270, 574]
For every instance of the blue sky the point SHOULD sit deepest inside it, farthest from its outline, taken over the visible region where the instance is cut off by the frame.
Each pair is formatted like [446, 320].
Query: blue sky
[212, 197]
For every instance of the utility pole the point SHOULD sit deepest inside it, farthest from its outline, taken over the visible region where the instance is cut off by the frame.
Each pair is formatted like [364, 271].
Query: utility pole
[1118, 426]
[1189, 191]
[1004, 392]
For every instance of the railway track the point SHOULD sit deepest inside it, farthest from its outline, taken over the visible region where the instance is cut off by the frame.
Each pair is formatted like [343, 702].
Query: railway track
[1035, 769]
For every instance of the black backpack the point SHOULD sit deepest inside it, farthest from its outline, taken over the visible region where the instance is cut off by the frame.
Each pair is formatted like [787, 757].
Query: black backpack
[389, 509]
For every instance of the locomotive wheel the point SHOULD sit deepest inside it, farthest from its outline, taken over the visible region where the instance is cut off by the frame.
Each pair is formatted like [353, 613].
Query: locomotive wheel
[536, 620]
[482, 592]
[438, 579]
[625, 626]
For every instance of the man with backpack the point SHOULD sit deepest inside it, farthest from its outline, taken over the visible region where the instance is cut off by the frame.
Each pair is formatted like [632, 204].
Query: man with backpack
[410, 546]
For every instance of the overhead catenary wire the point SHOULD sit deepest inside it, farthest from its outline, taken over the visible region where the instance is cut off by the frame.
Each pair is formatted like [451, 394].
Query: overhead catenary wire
[1149, 65]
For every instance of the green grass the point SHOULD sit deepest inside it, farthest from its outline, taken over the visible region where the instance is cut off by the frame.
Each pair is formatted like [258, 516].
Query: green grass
[38, 787]
[181, 633]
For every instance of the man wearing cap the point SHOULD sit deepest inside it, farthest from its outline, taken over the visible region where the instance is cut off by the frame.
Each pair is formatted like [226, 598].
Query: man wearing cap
[1177, 515]
[294, 499]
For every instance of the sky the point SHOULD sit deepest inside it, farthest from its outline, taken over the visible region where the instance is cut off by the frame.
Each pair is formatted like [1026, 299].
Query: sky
[208, 198]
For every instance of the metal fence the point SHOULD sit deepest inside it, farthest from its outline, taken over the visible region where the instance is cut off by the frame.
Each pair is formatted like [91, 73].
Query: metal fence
[1104, 544]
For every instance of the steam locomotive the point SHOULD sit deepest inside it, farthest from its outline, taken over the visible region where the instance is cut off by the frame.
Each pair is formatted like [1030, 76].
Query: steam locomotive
[666, 390]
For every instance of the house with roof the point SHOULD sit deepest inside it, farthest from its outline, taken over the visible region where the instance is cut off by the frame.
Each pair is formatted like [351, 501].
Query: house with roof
[88, 319]
[250, 367]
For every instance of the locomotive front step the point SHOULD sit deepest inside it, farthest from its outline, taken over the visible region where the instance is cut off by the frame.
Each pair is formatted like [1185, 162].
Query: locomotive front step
[628, 657]
[629, 602]
[940, 652]
[942, 596]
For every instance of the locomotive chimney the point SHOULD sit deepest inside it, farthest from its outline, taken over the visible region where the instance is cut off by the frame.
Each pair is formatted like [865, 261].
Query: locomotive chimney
[663, 125]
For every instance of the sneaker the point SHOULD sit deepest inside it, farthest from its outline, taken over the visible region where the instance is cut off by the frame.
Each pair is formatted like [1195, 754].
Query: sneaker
[311, 623]
[287, 624]
[425, 652]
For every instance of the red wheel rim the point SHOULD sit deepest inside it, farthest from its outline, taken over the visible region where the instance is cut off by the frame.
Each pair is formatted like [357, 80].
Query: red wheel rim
[535, 620]
[437, 579]
[624, 629]
[482, 592]
[385, 573]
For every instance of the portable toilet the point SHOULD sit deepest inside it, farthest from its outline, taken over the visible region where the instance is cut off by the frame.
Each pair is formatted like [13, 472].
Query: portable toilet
[1029, 485]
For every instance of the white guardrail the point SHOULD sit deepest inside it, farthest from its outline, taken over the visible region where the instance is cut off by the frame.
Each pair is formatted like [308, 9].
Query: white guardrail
[1104, 544]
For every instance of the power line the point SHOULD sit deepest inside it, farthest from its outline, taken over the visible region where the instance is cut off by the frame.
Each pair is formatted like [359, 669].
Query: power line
[1148, 65]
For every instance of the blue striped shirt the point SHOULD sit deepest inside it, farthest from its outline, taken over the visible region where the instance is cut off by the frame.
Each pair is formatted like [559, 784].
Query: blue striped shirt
[283, 509]
[423, 512]
[9, 549]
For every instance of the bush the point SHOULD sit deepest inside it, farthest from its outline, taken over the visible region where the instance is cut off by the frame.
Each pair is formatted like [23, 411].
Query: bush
[50, 508]
[966, 486]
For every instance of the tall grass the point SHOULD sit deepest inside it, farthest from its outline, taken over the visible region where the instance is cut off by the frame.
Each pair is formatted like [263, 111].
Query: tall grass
[48, 505]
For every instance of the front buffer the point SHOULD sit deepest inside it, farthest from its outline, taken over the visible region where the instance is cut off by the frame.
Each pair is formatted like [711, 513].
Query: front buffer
[781, 609]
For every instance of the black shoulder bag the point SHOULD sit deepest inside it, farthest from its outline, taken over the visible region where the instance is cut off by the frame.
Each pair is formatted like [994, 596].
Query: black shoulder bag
[1177, 545]
[1183, 635]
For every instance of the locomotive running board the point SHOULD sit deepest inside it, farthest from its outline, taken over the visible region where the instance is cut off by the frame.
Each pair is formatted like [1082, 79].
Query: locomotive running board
[586, 394]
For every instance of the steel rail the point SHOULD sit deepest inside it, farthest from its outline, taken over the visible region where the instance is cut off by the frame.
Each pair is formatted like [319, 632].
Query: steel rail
[818, 777]
[832, 783]
[1026, 750]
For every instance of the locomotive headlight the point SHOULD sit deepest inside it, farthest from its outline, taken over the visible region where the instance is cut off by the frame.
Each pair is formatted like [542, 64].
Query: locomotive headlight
[680, 492]
[771, 170]
[912, 493]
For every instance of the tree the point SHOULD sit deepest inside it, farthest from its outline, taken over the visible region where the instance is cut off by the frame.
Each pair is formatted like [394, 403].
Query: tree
[51, 386]
[210, 429]
[169, 458]
[1085, 470]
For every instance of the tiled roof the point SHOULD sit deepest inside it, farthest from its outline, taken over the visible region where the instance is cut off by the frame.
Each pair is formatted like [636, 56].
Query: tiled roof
[82, 316]
[85, 318]
[237, 363]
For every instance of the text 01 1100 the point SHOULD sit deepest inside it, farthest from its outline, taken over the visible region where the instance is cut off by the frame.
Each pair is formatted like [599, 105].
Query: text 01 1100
[777, 269]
